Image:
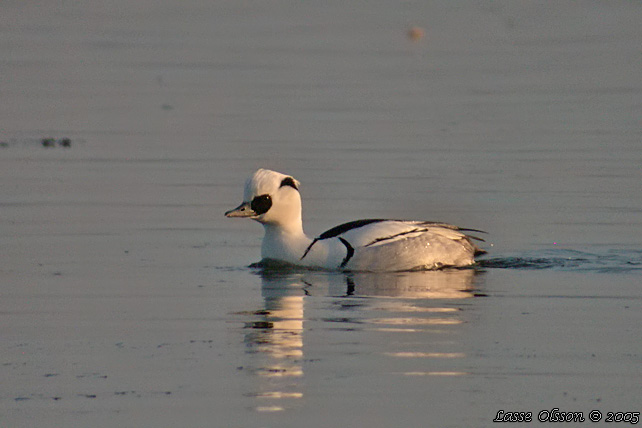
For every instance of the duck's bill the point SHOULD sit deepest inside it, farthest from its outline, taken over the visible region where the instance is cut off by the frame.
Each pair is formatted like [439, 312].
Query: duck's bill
[243, 210]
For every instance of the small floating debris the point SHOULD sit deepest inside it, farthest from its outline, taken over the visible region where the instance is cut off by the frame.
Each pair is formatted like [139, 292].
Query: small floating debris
[123, 393]
[87, 395]
[52, 142]
[416, 33]
[48, 142]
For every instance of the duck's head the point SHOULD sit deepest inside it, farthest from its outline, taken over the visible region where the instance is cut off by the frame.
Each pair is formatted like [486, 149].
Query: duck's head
[270, 198]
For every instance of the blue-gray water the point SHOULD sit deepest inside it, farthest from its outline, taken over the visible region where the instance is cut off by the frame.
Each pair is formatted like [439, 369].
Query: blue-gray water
[126, 298]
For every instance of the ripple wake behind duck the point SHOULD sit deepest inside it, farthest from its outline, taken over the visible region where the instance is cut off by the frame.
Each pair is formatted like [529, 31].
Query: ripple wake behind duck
[609, 261]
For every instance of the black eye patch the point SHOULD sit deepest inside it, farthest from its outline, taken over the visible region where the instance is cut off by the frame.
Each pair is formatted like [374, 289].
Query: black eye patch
[261, 204]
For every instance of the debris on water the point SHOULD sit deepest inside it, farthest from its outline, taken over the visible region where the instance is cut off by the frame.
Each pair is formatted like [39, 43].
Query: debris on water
[48, 142]
[416, 33]
[52, 142]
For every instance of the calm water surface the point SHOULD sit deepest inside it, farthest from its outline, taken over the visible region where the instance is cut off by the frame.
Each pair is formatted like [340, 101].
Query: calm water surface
[126, 296]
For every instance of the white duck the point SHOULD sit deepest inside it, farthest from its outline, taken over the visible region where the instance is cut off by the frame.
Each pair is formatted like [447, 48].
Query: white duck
[273, 199]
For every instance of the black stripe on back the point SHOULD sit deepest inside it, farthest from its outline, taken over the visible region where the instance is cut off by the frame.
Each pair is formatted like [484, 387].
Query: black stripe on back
[386, 238]
[342, 228]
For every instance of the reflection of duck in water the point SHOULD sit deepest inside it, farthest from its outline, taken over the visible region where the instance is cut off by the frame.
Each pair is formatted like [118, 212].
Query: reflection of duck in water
[275, 333]
[273, 199]
[275, 339]
[439, 284]
[433, 284]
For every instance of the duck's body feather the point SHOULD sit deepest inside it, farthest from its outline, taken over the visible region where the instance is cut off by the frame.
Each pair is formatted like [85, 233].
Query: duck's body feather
[385, 245]
[361, 245]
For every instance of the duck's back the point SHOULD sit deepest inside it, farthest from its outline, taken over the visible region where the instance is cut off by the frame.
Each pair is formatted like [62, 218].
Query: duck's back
[385, 245]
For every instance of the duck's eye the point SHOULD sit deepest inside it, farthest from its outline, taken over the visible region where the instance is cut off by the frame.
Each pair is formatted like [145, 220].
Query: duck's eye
[261, 204]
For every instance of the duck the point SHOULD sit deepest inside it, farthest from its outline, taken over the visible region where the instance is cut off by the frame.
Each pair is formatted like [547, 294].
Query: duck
[368, 245]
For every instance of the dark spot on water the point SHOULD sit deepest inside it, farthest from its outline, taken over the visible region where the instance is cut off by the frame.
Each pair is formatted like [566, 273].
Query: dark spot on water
[261, 325]
[342, 320]
[48, 142]
[22, 398]
[91, 375]
[347, 306]
[123, 393]
[44, 142]
[51, 374]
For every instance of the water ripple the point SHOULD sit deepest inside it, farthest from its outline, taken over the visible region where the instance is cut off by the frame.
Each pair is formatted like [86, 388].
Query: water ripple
[610, 261]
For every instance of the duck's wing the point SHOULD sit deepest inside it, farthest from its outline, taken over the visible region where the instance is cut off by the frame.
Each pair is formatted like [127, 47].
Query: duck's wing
[374, 232]
[369, 232]
[402, 245]
[380, 235]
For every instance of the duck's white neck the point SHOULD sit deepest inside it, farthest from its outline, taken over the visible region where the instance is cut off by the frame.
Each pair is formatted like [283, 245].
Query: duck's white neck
[284, 242]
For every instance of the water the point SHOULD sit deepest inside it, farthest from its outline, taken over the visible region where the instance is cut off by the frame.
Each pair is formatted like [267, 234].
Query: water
[127, 299]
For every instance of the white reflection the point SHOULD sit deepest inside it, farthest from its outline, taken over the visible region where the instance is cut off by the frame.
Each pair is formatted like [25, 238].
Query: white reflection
[409, 303]
[275, 337]
[269, 408]
[442, 284]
